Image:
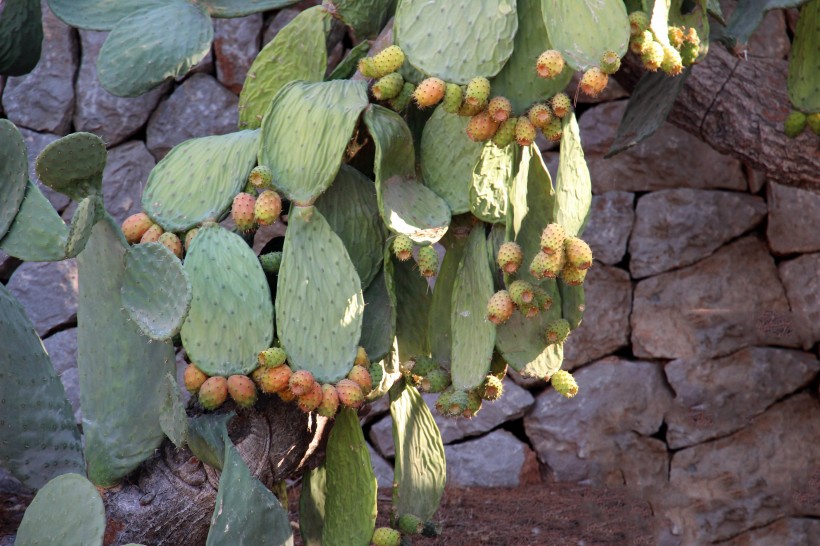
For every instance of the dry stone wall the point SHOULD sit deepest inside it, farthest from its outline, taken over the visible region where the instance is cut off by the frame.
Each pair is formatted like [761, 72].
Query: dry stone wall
[697, 358]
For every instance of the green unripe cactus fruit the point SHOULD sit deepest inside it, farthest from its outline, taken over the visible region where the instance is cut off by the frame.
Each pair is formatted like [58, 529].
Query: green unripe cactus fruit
[541, 299]
[367, 68]
[361, 376]
[301, 382]
[435, 381]
[428, 261]
[135, 226]
[610, 62]
[268, 207]
[689, 53]
[510, 257]
[388, 60]
[242, 212]
[312, 399]
[500, 307]
[361, 357]
[271, 262]
[636, 44]
[540, 115]
[481, 127]
[652, 56]
[402, 100]
[443, 401]
[261, 177]
[500, 109]
[549, 64]
[557, 331]
[795, 124]
[547, 266]
[213, 392]
[563, 382]
[593, 82]
[521, 293]
[572, 276]
[561, 105]
[422, 365]
[189, 238]
[330, 402]
[171, 242]
[385, 536]
[676, 36]
[505, 133]
[453, 96]
[552, 238]
[478, 92]
[410, 524]
[474, 402]
[242, 390]
[492, 388]
[429, 92]
[431, 529]
[524, 131]
[813, 121]
[273, 357]
[578, 254]
[376, 372]
[458, 402]
[672, 63]
[403, 247]
[350, 394]
[388, 87]
[638, 22]
[273, 380]
[193, 378]
[152, 234]
[553, 130]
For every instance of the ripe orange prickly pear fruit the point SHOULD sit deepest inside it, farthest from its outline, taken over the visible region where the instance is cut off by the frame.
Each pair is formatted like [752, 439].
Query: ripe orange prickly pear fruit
[428, 261]
[652, 56]
[547, 266]
[593, 82]
[312, 399]
[676, 36]
[524, 131]
[350, 393]
[388, 86]
[481, 127]
[135, 226]
[189, 237]
[152, 235]
[361, 357]
[500, 307]
[572, 276]
[273, 357]
[273, 380]
[561, 105]
[610, 62]
[260, 177]
[268, 207]
[386, 61]
[563, 382]
[429, 92]
[453, 96]
[500, 109]
[301, 382]
[521, 293]
[242, 212]
[552, 238]
[578, 253]
[171, 242]
[242, 390]
[549, 64]
[403, 247]
[193, 378]
[557, 331]
[361, 376]
[286, 395]
[505, 134]
[385, 536]
[638, 23]
[510, 257]
[330, 402]
[540, 115]
[477, 92]
[213, 392]
[672, 63]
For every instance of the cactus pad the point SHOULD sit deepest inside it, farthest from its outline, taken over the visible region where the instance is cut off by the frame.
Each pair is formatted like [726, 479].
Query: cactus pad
[172, 419]
[13, 173]
[73, 165]
[68, 510]
[490, 179]
[99, 14]
[156, 291]
[379, 319]
[345, 69]
[365, 17]
[240, 8]
[439, 327]
[407, 206]
[312, 506]
[198, 179]
[479, 33]
[38, 234]
[305, 133]
[88, 212]
[573, 188]
[231, 314]
[297, 52]
[804, 61]
[21, 37]
[412, 309]
[206, 437]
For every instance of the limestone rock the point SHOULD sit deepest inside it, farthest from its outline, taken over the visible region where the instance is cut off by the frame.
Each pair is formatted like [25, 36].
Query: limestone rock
[610, 222]
[43, 100]
[605, 327]
[800, 278]
[749, 479]
[48, 291]
[716, 397]
[710, 308]
[678, 227]
[783, 532]
[112, 118]
[672, 158]
[199, 107]
[602, 435]
[62, 348]
[794, 219]
[35, 142]
[494, 460]
[236, 44]
[381, 468]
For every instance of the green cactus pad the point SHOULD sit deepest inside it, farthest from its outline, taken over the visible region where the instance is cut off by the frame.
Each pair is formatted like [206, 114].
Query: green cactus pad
[439, 327]
[573, 187]
[573, 304]
[73, 165]
[297, 52]
[240, 8]
[379, 319]
[319, 302]
[351, 209]
[13, 173]
[206, 437]
[804, 60]
[479, 36]
[350, 504]
[21, 37]
[41, 440]
[473, 335]
[305, 133]
[521, 342]
[139, 53]
[99, 14]
[491, 177]
[121, 371]
[38, 234]
[570, 25]
[156, 291]
[448, 158]
[231, 314]
[198, 179]
[246, 511]
[366, 17]
[746, 17]
[312, 506]
[172, 418]
[407, 206]
[659, 20]
[412, 309]
[88, 212]
[420, 469]
[388, 370]
[68, 510]
[517, 80]
[345, 69]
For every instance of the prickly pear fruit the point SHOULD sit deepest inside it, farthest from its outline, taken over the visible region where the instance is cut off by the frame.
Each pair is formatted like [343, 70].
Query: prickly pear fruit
[261, 177]
[171, 242]
[689, 53]
[478, 92]
[578, 253]
[481, 127]
[593, 82]
[557, 331]
[549, 64]
[469, 110]
[421, 366]
[273, 357]
[500, 307]
[638, 22]
[572, 276]
[189, 238]
[690, 36]
[388, 60]
[541, 299]
[242, 390]
[429, 92]
[473, 404]
[193, 378]
[312, 399]
[403, 247]
[272, 380]
[676, 36]
[500, 109]
[242, 212]
[271, 262]
[610, 62]
[524, 131]
[563, 382]
[428, 261]
[540, 115]
[453, 96]
[431, 529]
[510, 257]
[435, 381]
[553, 130]
[350, 393]
[135, 226]
[652, 56]
[492, 388]
[286, 395]
[521, 293]
[367, 68]
[547, 266]
[672, 63]
[813, 121]
[795, 123]
[213, 392]
[152, 234]
[402, 100]
[388, 87]
[636, 43]
[301, 382]
[552, 238]
[376, 370]
[385, 536]
[330, 402]
[529, 310]
[505, 133]
[257, 374]
[561, 105]
[361, 376]
[443, 401]
[361, 357]
[268, 207]
[410, 524]
[458, 402]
